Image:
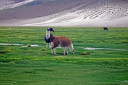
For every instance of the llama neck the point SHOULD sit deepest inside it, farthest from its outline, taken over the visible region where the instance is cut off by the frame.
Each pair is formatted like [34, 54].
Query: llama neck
[47, 34]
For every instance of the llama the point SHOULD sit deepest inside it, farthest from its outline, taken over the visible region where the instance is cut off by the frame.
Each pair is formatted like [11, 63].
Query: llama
[105, 28]
[64, 42]
[49, 37]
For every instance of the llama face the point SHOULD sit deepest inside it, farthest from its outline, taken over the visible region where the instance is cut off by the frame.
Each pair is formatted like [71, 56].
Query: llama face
[47, 34]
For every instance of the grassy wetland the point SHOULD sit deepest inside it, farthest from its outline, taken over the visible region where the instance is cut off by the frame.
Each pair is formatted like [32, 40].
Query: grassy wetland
[101, 57]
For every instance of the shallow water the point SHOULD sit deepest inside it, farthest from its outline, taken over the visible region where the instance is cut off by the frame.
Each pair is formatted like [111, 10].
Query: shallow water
[15, 44]
[90, 48]
[10, 44]
[35, 45]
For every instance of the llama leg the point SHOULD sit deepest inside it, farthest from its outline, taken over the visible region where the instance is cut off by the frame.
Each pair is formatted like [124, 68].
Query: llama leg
[65, 50]
[49, 45]
[46, 45]
[53, 50]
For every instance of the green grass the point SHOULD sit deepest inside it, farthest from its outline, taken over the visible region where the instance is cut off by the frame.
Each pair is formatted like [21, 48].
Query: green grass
[37, 66]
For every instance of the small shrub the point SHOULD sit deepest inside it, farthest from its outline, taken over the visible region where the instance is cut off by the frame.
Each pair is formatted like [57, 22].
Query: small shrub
[84, 53]
[44, 49]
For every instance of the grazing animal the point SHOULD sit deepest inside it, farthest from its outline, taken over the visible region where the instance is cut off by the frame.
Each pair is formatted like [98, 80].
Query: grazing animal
[105, 28]
[49, 37]
[64, 42]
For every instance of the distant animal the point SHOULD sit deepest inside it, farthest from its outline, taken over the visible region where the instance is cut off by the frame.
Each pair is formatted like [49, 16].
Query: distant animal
[62, 41]
[49, 37]
[105, 28]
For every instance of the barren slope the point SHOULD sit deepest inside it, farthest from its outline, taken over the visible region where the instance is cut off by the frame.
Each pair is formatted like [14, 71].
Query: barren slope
[68, 13]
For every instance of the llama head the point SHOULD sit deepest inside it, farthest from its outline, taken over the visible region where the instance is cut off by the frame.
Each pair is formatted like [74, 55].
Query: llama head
[50, 29]
[71, 48]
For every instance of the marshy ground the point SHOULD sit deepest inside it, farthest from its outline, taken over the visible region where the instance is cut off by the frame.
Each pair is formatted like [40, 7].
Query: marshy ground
[101, 57]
